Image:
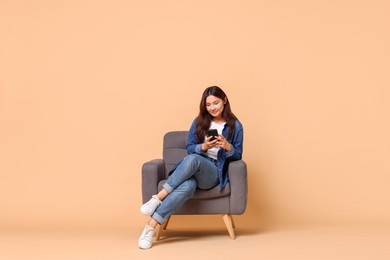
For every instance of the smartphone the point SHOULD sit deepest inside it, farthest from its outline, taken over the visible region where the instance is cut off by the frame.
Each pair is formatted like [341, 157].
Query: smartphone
[213, 133]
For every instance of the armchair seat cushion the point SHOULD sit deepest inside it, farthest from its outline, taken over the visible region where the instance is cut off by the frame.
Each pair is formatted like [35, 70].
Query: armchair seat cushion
[206, 194]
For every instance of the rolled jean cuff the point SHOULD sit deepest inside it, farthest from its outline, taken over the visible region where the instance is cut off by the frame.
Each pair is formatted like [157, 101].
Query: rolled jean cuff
[158, 218]
[167, 187]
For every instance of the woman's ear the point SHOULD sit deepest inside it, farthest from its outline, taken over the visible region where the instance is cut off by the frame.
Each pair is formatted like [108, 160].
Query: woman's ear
[225, 100]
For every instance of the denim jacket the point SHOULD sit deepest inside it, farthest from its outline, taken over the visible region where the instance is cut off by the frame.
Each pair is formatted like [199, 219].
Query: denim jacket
[224, 157]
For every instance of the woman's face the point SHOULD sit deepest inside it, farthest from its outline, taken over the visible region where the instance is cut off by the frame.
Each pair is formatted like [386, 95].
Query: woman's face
[215, 105]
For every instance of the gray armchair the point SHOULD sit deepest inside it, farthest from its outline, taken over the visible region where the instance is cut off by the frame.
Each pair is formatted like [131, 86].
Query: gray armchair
[230, 201]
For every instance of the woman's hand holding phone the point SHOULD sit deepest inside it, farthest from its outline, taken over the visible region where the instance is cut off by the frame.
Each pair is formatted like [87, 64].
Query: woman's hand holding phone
[223, 143]
[214, 139]
[210, 142]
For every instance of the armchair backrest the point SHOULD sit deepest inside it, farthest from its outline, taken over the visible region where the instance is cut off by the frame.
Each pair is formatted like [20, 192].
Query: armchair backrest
[174, 148]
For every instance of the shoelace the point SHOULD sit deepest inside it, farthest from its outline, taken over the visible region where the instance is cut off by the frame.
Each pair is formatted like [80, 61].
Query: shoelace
[157, 199]
[149, 234]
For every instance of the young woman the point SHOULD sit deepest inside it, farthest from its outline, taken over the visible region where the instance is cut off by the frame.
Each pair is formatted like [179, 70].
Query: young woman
[204, 167]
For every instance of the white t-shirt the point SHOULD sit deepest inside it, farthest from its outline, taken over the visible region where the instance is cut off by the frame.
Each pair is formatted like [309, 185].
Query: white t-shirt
[213, 152]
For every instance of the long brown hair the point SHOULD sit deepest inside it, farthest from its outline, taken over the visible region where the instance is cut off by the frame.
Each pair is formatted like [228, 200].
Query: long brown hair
[204, 118]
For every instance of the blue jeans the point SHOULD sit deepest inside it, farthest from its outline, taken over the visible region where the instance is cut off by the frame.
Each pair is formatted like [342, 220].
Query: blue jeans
[195, 171]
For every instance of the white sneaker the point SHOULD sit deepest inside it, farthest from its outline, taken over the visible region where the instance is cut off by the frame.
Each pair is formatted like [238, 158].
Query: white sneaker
[145, 240]
[149, 207]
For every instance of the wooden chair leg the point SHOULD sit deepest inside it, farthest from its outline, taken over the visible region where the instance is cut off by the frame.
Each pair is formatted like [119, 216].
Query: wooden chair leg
[161, 228]
[231, 218]
[165, 224]
[229, 225]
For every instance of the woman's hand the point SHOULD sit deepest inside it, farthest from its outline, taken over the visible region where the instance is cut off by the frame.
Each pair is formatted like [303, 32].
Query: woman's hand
[223, 143]
[208, 144]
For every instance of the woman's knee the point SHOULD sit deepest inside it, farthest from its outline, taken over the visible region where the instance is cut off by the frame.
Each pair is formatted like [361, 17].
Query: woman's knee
[193, 159]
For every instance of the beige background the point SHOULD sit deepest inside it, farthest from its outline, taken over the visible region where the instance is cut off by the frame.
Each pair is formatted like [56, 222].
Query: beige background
[88, 89]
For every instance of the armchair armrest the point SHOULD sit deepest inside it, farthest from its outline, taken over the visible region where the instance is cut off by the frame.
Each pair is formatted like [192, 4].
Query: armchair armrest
[238, 187]
[152, 173]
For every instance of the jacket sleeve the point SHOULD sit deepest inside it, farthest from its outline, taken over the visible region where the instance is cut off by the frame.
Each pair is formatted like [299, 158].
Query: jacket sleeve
[192, 145]
[237, 143]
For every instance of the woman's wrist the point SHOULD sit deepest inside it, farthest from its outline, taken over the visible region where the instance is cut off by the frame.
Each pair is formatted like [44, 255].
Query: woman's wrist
[203, 148]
